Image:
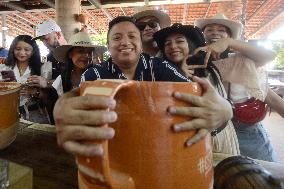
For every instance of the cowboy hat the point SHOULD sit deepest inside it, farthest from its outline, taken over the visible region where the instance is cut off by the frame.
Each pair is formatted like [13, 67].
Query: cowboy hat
[46, 27]
[221, 19]
[80, 39]
[194, 34]
[163, 18]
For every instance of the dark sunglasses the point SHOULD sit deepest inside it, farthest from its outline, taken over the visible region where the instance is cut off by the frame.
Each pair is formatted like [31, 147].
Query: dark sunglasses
[142, 25]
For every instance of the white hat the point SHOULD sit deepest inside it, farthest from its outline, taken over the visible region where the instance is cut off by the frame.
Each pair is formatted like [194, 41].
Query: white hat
[46, 27]
[164, 19]
[80, 39]
[235, 27]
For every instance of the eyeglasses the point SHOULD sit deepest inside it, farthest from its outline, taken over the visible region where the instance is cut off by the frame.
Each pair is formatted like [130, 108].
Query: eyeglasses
[142, 25]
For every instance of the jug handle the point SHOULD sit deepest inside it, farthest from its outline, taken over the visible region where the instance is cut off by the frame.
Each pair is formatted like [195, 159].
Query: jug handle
[108, 88]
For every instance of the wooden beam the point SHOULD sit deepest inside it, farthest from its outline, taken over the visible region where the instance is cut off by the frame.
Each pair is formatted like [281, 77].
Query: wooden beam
[49, 3]
[13, 6]
[263, 5]
[123, 11]
[265, 24]
[99, 6]
[184, 15]
[92, 17]
[23, 18]
[208, 9]
[21, 22]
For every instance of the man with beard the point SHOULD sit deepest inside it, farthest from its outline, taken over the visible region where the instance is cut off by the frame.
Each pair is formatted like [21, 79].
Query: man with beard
[50, 34]
[149, 22]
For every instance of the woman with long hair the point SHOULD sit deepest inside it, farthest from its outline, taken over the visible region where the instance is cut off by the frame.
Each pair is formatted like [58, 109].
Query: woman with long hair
[77, 55]
[25, 63]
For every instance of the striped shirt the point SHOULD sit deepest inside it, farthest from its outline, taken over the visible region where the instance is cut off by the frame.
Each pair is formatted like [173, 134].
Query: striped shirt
[148, 69]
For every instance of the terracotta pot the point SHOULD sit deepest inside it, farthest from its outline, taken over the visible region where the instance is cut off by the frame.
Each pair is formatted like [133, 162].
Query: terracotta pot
[145, 152]
[9, 112]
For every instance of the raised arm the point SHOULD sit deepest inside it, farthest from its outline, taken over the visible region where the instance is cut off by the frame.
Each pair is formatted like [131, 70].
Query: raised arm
[258, 54]
[275, 102]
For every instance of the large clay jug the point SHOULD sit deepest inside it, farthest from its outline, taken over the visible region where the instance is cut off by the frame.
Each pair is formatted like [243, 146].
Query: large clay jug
[9, 112]
[145, 153]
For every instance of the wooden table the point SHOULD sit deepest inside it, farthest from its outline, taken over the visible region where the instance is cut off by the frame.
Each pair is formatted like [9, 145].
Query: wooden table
[36, 147]
[20, 177]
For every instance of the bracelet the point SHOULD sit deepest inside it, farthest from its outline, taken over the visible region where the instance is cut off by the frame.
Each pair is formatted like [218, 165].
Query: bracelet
[218, 130]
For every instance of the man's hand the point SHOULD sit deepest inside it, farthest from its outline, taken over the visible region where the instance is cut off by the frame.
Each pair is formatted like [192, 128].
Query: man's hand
[79, 118]
[209, 111]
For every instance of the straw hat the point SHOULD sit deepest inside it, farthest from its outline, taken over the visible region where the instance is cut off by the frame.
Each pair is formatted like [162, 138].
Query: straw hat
[221, 19]
[46, 27]
[191, 32]
[164, 19]
[80, 39]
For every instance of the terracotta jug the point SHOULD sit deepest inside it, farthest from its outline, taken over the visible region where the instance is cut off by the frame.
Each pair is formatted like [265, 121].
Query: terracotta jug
[9, 112]
[145, 153]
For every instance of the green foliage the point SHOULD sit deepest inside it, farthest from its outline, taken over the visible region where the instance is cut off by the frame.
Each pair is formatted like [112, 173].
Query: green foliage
[101, 39]
[278, 47]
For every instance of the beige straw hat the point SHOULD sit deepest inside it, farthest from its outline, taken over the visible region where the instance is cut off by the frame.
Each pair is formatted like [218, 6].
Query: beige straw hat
[221, 19]
[164, 19]
[80, 39]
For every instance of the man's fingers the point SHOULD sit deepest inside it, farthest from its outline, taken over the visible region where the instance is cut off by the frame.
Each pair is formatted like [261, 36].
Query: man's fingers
[88, 150]
[197, 137]
[91, 102]
[83, 133]
[188, 111]
[192, 99]
[87, 117]
[190, 125]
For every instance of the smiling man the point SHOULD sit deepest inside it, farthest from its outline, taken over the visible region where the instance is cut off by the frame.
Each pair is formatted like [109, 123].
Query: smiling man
[149, 22]
[80, 114]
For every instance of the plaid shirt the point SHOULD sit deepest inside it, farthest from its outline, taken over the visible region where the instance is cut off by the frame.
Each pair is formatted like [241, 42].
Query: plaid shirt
[148, 69]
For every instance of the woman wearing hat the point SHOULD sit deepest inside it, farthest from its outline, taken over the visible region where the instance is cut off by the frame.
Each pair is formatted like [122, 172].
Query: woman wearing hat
[243, 79]
[177, 43]
[77, 55]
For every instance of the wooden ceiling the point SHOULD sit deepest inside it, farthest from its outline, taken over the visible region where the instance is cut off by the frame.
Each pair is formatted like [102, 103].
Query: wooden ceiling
[260, 17]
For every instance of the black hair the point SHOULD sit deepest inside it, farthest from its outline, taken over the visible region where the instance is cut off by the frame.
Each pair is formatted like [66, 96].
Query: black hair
[66, 74]
[118, 20]
[198, 59]
[35, 60]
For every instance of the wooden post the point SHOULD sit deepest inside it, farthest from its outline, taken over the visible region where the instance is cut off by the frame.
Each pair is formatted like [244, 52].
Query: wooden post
[4, 31]
[66, 11]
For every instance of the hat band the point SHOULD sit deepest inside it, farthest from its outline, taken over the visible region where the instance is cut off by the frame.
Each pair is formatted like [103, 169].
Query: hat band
[82, 43]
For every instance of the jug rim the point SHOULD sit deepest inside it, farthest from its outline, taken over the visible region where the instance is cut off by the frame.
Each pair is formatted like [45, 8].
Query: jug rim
[16, 87]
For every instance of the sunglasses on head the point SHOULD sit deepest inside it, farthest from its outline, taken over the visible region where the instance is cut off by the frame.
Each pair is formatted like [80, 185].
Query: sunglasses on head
[142, 25]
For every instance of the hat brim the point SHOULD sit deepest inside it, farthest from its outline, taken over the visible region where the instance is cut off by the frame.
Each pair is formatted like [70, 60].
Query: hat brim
[164, 19]
[235, 27]
[37, 37]
[194, 34]
[60, 53]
